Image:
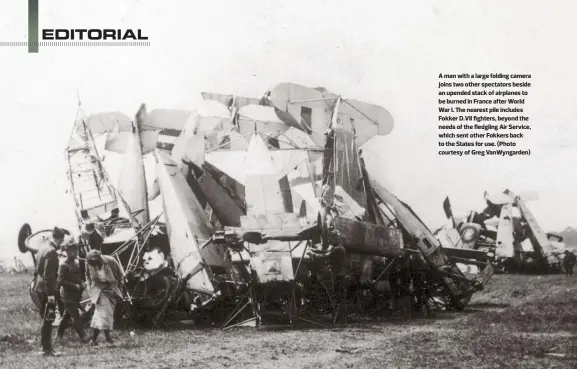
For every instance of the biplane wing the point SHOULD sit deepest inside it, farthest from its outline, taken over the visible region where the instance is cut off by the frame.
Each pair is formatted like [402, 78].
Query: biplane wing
[132, 179]
[260, 118]
[102, 123]
[230, 101]
[367, 120]
[117, 127]
[311, 110]
[188, 227]
[234, 163]
[303, 108]
[159, 119]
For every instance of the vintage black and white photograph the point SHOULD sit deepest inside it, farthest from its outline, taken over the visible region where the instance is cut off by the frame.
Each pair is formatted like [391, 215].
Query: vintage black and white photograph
[288, 184]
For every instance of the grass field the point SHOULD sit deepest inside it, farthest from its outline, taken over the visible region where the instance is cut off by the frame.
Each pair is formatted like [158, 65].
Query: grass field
[517, 322]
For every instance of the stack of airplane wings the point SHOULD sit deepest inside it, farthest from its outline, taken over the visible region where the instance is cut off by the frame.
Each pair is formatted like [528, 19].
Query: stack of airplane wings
[264, 193]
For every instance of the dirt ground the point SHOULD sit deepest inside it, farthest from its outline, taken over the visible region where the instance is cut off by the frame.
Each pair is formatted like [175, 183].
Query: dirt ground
[517, 322]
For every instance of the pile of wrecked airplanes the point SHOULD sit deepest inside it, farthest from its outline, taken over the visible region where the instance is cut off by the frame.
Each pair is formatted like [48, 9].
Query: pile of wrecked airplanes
[268, 214]
[506, 234]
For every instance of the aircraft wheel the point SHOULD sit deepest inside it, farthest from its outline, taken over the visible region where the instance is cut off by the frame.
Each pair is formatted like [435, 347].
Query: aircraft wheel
[469, 233]
[23, 234]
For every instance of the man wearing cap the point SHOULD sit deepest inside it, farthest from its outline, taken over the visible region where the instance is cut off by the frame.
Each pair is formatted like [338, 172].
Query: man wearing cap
[46, 286]
[112, 221]
[92, 238]
[71, 288]
[113, 214]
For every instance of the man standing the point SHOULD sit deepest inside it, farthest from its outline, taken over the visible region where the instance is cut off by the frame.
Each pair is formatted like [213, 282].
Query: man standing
[568, 262]
[91, 237]
[71, 288]
[46, 283]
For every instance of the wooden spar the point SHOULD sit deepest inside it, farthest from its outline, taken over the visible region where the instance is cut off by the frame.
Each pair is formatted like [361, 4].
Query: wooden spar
[363, 114]
[333, 163]
[311, 100]
[233, 109]
[72, 187]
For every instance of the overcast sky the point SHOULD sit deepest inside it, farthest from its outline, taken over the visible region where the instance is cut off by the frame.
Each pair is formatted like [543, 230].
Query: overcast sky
[384, 52]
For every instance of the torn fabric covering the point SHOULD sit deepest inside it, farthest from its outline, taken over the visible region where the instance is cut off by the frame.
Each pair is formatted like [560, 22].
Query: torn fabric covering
[341, 168]
[348, 170]
[328, 182]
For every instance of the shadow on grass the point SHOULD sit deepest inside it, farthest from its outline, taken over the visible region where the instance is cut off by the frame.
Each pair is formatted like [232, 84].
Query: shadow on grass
[365, 324]
[488, 305]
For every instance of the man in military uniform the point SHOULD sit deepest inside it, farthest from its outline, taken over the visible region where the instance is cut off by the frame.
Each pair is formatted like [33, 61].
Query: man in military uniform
[71, 288]
[46, 286]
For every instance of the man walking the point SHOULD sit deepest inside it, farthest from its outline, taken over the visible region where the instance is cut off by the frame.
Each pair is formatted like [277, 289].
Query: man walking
[71, 288]
[104, 278]
[46, 283]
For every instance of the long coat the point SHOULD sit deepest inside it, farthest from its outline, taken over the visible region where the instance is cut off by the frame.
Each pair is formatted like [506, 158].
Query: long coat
[47, 270]
[113, 274]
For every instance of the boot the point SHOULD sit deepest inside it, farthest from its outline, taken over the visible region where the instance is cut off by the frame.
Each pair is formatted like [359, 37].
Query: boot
[79, 328]
[94, 340]
[46, 338]
[108, 338]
